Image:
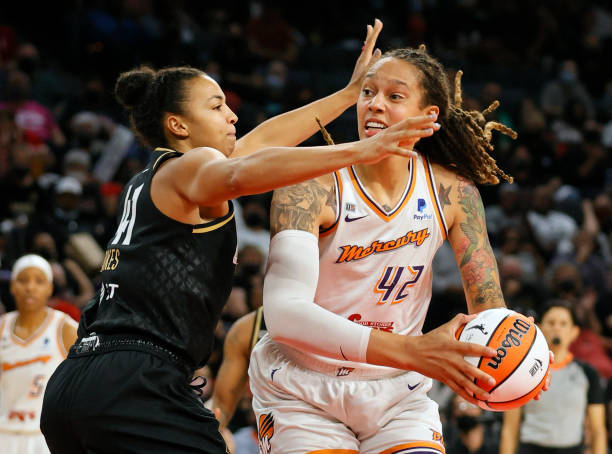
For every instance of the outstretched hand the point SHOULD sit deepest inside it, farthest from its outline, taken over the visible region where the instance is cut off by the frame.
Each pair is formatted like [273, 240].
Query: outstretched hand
[391, 140]
[367, 57]
[439, 355]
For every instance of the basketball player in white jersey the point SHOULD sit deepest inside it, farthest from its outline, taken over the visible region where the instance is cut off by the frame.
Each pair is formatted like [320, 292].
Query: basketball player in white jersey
[34, 339]
[352, 251]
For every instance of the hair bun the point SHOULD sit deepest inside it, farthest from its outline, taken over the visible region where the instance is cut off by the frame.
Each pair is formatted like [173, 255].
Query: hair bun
[131, 87]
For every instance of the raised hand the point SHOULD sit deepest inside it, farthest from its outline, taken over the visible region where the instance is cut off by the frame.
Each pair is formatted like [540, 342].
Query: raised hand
[367, 57]
[389, 141]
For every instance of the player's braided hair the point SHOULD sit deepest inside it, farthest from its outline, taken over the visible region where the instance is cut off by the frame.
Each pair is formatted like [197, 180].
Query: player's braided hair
[147, 95]
[463, 142]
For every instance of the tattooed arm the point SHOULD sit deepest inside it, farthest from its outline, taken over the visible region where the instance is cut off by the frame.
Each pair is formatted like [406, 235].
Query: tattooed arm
[306, 206]
[468, 237]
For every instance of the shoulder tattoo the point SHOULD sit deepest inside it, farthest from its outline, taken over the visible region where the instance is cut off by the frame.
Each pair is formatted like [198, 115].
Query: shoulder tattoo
[478, 265]
[444, 195]
[298, 207]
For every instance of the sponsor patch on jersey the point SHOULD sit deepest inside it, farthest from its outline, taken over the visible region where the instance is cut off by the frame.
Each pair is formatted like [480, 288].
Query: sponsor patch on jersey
[376, 324]
[422, 216]
[352, 252]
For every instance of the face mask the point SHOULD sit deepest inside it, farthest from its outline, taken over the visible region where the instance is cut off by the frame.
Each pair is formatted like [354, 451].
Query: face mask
[567, 77]
[274, 81]
[249, 270]
[45, 253]
[567, 285]
[254, 220]
[467, 423]
[28, 65]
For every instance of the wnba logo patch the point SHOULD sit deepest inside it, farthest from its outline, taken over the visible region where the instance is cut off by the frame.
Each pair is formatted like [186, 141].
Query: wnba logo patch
[265, 433]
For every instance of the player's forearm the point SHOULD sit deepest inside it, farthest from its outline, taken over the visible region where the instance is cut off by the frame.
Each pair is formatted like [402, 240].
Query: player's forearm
[273, 168]
[389, 349]
[293, 127]
[223, 409]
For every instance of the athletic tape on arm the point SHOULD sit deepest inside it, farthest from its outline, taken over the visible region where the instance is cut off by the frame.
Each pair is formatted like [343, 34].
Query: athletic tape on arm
[292, 316]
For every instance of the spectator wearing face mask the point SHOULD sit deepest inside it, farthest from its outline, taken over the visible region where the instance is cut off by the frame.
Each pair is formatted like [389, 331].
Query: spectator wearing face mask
[33, 118]
[252, 224]
[468, 432]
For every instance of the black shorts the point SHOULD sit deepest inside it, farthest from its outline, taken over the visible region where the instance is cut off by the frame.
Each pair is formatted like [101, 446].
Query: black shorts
[126, 397]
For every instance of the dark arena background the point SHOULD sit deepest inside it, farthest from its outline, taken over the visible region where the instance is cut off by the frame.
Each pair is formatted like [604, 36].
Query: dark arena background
[65, 156]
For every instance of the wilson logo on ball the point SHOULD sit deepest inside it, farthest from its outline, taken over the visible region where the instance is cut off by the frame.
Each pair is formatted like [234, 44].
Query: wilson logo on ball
[512, 338]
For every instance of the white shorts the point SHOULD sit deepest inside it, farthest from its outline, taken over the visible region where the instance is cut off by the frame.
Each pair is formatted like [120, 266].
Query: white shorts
[12, 443]
[302, 411]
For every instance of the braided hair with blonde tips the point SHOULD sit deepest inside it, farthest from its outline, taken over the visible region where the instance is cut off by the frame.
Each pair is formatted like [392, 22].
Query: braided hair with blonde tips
[464, 141]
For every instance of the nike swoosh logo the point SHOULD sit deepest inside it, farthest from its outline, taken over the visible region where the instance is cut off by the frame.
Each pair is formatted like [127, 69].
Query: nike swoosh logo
[412, 387]
[347, 219]
[273, 372]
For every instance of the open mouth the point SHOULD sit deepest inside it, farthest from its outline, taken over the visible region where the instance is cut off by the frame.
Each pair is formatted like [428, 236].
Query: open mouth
[374, 127]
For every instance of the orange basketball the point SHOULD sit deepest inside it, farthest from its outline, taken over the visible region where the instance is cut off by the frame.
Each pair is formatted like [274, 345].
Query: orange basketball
[521, 363]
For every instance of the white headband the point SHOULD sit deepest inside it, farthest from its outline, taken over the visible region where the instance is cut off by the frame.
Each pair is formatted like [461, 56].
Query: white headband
[31, 261]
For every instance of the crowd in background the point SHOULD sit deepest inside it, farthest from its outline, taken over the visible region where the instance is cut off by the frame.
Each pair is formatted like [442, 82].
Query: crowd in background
[66, 148]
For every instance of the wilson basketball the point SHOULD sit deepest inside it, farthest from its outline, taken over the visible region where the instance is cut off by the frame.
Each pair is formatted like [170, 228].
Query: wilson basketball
[521, 363]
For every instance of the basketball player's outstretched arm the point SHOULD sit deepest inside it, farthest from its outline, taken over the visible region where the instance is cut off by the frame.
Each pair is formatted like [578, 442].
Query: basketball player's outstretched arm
[292, 316]
[292, 128]
[206, 177]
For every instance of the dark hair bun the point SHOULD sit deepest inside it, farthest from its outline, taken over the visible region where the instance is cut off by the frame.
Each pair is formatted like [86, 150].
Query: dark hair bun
[131, 87]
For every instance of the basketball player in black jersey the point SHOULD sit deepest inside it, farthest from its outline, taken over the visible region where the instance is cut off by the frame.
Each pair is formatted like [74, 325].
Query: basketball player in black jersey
[168, 268]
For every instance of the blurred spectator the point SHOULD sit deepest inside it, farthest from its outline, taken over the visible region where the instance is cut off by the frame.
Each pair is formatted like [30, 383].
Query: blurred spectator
[252, 225]
[556, 420]
[466, 431]
[269, 35]
[33, 118]
[553, 230]
[559, 92]
[506, 213]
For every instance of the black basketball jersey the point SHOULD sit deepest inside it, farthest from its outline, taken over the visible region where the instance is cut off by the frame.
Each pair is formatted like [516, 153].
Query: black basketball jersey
[162, 278]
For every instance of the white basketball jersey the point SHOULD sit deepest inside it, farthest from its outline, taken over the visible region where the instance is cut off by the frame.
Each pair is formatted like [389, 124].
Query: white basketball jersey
[25, 368]
[374, 266]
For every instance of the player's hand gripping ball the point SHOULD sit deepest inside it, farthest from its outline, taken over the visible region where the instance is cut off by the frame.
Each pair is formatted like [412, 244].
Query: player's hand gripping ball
[522, 360]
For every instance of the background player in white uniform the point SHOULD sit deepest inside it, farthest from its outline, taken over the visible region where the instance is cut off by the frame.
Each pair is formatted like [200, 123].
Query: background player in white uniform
[352, 251]
[34, 339]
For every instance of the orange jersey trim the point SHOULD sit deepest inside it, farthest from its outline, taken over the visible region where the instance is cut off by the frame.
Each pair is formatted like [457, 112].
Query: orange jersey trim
[381, 214]
[41, 329]
[416, 444]
[27, 362]
[568, 359]
[434, 198]
[334, 226]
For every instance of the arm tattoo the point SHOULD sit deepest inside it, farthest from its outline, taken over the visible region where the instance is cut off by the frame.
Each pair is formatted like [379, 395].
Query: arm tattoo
[298, 207]
[444, 195]
[478, 266]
